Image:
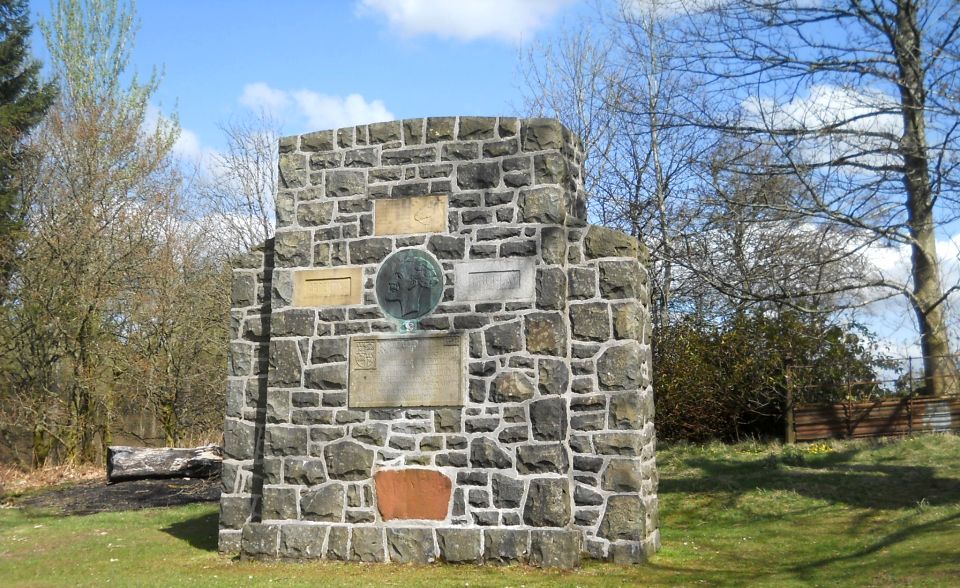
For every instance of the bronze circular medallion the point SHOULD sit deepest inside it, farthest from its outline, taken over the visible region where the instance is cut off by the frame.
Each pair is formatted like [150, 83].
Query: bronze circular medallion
[409, 284]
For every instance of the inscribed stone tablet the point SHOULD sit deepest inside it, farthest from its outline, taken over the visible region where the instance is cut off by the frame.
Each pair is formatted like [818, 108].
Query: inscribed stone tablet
[328, 287]
[504, 280]
[412, 370]
[415, 214]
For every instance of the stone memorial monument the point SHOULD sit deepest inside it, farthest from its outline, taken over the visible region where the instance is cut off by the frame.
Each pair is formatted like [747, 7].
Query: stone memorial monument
[437, 358]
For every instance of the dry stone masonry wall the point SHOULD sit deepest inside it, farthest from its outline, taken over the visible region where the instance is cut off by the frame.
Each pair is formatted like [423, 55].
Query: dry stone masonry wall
[513, 421]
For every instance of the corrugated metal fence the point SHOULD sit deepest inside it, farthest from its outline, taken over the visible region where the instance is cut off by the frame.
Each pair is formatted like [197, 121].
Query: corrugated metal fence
[880, 418]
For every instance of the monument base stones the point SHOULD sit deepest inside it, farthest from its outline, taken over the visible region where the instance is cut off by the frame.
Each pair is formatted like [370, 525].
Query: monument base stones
[438, 359]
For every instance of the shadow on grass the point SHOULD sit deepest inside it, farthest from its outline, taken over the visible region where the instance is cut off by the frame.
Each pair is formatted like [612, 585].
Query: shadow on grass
[829, 478]
[898, 536]
[200, 531]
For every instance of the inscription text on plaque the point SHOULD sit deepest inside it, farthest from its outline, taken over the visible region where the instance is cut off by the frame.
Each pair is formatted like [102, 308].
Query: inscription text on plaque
[413, 370]
[511, 280]
[411, 215]
[328, 287]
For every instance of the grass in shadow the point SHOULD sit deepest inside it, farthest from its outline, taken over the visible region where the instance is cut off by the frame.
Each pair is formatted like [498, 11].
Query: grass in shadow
[199, 531]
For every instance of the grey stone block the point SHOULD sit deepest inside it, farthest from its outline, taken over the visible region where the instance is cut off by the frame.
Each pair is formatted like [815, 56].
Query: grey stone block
[553, 374]
[345, 183]
[259, 540]
[372, 250]
[279, 503]
[314, 214]
[582, 283]
[366, 544]
[284, 360]
[551, 288]
[446, 247]
[555, 549]
[623, 519]
[541, 205]
[238, 439]
[478, 176]
[317, 141]
[590, 321]
[540, 134]
[330, 350]
[628, 411]
[620, 279]
[511, 387]
[619, 368]
[506, 545]
[349, 461]
[337, 543]
[326, 377]
[485, 453]
[302, 541]
[411, 545]
[440, 128]
[234, 511]
[304, 471]
[546, 333]
[460, 545]
[228, 542]
[548, 419]
[622, 475]
[244, 290]
[507, 491]
[372, 434]
[603, 242]
[547, 503]
[323, 504]
[542, 459]
[282, 440]
[293, 323]
[292, 248]
[293, 170]
[625, 443]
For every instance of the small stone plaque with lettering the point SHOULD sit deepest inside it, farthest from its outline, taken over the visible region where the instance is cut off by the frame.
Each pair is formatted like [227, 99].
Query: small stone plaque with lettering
[340, 286]
[411, 370]
[504, 280]
[411, 215]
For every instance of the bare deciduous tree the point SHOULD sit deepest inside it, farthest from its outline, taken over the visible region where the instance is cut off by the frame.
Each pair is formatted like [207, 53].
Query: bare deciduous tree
[858, 102]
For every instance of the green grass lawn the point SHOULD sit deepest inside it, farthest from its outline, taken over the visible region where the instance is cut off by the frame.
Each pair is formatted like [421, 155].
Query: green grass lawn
[884, 514]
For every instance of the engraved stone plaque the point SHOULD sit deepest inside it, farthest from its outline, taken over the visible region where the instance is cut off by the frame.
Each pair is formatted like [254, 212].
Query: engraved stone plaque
[414, 214]
[411, 370]
[409, 284]
[503, 280]
[340, 286]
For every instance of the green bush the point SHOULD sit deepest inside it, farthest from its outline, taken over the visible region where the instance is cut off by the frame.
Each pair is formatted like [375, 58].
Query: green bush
[729, 380]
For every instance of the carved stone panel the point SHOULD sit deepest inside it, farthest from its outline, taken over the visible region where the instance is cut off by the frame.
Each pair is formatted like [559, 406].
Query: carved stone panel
[503, 280]
[328, 287]
[413, 370]
[411, 215]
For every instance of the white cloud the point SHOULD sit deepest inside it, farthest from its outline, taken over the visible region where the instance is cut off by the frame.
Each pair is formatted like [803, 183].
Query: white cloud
[327, 112]
[858, 120]
[306, 110]
[465, 20]
[260, 96]
[189, 148]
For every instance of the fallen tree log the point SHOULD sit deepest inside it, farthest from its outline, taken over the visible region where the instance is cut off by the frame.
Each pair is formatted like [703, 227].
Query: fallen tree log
[139, 463]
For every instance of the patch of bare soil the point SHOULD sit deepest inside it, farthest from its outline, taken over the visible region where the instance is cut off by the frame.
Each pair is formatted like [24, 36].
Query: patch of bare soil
[93, 496]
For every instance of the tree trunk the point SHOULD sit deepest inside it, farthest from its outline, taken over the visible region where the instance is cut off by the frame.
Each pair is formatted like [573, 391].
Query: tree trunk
[940, 372]
[137, 463]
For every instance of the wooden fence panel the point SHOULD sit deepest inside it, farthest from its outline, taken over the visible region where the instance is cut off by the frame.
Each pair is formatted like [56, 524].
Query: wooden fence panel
[881, 418]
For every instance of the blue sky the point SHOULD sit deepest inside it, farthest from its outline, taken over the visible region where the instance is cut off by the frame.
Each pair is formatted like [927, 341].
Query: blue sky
[321, 64]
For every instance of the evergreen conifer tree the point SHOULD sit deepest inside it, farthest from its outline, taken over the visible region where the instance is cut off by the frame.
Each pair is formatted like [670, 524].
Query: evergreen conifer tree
[23, 102]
